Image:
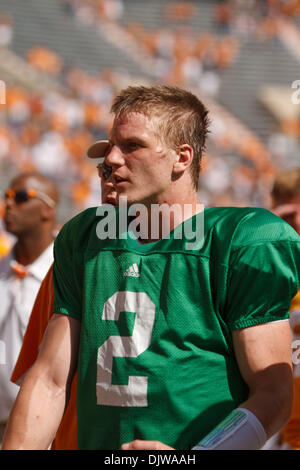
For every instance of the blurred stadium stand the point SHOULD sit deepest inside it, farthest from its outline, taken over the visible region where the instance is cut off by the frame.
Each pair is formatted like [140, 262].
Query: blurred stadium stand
[62, 61]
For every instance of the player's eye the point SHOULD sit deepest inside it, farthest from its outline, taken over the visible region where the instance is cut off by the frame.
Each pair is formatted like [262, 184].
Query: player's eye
[131, 146]
[134, 145]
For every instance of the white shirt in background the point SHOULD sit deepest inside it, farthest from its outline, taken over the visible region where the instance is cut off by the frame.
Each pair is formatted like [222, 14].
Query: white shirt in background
[17, 296]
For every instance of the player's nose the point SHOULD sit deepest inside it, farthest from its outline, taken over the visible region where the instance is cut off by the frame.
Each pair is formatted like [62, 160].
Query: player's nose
[114, 157]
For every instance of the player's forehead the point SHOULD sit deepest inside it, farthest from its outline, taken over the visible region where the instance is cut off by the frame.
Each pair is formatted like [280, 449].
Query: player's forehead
[133, 125]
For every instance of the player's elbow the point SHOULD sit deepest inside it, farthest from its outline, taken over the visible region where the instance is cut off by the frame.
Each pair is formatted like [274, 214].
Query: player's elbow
[271, 397]
[279, 399]
[40, 380]
[282, 399]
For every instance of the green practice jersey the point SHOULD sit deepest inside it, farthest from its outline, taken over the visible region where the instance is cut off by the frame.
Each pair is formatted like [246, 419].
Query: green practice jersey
[156, 358]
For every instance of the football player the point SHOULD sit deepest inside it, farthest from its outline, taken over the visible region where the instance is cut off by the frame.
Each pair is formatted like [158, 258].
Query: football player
[184, 344]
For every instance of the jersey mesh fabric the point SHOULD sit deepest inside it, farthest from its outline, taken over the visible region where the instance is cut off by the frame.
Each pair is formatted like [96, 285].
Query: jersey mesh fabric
[186, 303]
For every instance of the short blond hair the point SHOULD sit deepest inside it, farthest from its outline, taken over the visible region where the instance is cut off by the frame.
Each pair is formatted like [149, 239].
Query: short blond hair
[182, 117]
[286, 186]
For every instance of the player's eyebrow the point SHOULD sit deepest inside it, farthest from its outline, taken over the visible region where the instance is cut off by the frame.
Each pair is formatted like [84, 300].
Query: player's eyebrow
[131, 139]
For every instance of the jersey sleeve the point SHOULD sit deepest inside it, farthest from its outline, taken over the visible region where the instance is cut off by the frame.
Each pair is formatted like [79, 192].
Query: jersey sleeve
[264, 271]
[66, 272]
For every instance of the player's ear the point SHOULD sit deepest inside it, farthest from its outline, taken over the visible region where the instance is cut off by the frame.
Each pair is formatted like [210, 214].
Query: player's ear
[184, 158]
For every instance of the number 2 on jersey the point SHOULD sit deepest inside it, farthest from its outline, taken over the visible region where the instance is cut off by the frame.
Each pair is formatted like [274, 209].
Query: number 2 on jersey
[135, 393]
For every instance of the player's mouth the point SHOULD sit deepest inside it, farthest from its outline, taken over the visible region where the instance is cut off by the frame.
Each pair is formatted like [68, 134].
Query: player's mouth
[118, 180]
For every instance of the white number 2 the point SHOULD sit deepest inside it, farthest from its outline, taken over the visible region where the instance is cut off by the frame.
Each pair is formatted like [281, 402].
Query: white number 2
[135, 393]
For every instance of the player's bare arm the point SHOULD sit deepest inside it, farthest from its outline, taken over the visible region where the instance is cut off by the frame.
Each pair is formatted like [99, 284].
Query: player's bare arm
[44, 391]
[263, 355]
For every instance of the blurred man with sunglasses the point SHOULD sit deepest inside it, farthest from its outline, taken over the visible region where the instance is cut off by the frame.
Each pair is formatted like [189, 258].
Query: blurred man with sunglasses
[30, 207]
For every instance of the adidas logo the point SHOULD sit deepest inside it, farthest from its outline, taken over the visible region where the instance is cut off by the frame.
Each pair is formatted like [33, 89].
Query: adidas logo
[132, 271]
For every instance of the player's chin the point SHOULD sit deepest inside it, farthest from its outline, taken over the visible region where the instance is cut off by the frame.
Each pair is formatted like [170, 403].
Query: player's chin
[135, 196]
[111, 198]
[126, 197]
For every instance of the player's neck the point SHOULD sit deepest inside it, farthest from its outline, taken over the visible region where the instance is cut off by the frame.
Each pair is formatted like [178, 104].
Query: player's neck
[165, 216]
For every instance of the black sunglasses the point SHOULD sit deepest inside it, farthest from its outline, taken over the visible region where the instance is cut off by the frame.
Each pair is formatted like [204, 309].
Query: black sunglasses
[104, 170]
[23, 195]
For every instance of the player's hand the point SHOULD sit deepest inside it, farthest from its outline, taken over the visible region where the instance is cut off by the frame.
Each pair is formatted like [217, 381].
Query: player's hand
[145, 445]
